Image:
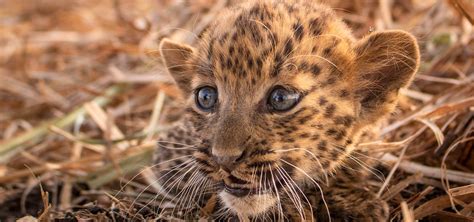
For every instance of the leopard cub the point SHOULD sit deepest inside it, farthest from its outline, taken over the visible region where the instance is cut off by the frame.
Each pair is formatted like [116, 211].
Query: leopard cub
[277, 97]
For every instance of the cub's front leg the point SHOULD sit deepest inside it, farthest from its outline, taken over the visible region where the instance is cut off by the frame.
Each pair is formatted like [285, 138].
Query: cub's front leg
[352, 203]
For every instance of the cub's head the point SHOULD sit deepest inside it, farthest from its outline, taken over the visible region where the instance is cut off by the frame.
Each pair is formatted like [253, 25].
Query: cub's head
[278, 95]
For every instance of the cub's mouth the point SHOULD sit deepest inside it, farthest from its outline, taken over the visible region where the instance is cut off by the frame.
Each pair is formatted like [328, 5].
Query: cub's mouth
[241, 191]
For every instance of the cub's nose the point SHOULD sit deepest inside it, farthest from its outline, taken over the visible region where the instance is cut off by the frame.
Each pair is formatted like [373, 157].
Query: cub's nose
[228, 163]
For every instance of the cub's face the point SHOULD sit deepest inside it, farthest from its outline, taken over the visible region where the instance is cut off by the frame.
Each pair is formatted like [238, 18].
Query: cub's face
[277, 97]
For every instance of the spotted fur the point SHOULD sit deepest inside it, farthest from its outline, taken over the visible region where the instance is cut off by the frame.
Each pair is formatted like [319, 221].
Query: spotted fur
[302, 164]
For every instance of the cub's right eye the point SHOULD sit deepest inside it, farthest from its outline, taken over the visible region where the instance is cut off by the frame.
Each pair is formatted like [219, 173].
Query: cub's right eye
[206, 98]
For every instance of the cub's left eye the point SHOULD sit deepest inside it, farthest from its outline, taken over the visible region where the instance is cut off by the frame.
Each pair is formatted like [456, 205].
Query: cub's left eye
[281, 99]
[206, 98]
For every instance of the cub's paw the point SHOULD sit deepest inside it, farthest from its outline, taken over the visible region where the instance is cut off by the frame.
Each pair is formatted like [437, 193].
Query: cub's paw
[349, 204]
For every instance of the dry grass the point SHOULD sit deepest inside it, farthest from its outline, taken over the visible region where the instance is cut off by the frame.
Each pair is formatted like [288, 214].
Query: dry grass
[81, 102]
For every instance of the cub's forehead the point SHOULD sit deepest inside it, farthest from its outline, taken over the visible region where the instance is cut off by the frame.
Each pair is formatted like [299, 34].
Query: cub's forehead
[254, 42]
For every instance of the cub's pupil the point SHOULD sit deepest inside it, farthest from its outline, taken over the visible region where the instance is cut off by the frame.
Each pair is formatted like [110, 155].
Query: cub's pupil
[279, 97]
[206, 97]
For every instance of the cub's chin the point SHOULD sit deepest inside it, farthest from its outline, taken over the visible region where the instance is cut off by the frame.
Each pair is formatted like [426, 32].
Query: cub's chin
[248, 206]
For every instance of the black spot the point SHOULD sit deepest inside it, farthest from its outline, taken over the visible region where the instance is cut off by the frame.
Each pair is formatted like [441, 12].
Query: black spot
[265, 52]
[259, 64]
[315, 70]
[188, 141]
[322, 145]
[335, 154]
[250, 63]
[229, 63]
[277, 65]
[344, 120]
[304, 119]
[255, 10]
[298, 30]
[242, 73]
[288, 131]
[304, 135]
[257, 38]
[331, 132]
[340, 134]
[343, 93]
[329, 112]
[303, 66]
[288, 47]
[330, 81]
[178, 162]
[315, 26]
[322, 101]
[327, 51]
[210, 49]
[290, 8]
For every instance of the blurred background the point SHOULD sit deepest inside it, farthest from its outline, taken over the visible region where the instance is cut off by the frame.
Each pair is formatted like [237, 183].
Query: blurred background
[83, 95]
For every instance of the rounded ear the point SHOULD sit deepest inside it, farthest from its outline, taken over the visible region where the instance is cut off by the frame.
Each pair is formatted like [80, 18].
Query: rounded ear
[175, 57]
[386, 62]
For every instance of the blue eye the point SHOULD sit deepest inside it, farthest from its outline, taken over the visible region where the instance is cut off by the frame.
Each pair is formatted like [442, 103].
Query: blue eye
[281, 99]
[206, 98]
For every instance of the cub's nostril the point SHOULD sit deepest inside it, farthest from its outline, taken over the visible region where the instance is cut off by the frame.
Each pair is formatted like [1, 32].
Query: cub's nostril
[241, 157]
[228, 162]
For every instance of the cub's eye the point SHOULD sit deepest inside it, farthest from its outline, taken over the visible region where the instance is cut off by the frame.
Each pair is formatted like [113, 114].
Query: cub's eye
[206, 98]
[281, 99]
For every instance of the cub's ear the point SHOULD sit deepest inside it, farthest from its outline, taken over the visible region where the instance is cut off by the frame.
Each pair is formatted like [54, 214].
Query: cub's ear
[176, 57]
[386, 62]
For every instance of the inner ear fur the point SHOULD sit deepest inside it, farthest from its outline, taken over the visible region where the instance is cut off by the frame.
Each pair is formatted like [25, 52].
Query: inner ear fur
[175, 57]
[387, 61]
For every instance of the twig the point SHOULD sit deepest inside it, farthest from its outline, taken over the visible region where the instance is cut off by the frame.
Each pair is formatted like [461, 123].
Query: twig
[433, 172]
[155, 116]
[437, 204]
[392, 171]
[400, 158]
[128, 164]
[407, 213]
[395, 189]
[14, 145]
[101, 118]
[463, 11]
